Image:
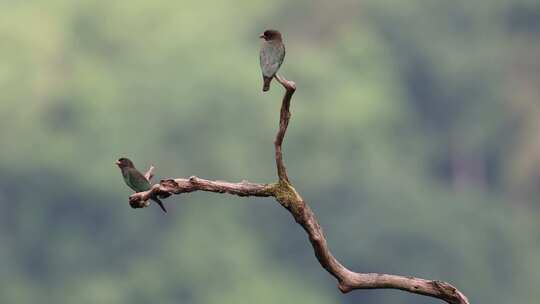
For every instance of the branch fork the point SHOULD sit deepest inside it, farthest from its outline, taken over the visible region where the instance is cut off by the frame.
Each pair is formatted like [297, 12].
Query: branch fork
[284, 192]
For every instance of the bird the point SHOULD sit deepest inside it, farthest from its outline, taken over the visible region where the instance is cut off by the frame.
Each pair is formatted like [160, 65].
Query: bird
[271, 55]
[135, 179]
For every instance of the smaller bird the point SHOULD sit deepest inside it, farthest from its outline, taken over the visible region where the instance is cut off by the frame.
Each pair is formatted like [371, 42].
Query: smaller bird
[271, 55]
[135, 179]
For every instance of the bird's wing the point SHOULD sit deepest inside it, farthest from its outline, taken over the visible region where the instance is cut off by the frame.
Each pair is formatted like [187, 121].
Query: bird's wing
[137, 181]
[271, 57]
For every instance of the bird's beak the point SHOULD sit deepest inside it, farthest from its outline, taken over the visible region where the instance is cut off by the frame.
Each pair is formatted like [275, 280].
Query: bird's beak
[261, 36]
[117, 163]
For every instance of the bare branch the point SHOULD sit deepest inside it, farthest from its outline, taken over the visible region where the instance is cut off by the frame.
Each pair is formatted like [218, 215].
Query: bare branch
[349, 280]
[289, 198]
[186, 185]
[150, 173]
[284, 117]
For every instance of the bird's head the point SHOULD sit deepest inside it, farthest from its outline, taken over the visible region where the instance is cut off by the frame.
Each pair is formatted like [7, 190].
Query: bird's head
[124, 163]
[270, 35]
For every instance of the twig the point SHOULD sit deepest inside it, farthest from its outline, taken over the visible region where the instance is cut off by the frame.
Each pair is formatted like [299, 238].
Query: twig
[150, 173]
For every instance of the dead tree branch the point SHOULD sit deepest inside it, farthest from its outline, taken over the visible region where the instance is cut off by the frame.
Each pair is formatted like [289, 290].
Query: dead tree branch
[150, 173]
[288, 197]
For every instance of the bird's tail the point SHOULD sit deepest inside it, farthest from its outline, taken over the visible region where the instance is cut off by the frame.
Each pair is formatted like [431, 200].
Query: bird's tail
[266, 81]
[160, 204]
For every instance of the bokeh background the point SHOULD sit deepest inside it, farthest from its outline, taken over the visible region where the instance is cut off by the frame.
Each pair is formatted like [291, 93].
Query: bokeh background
[415, 137]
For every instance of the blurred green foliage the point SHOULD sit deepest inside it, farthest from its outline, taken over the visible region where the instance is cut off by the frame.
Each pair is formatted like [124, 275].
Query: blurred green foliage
[414, 137]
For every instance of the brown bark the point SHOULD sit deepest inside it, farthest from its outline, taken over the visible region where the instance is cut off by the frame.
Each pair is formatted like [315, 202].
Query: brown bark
[288, 197]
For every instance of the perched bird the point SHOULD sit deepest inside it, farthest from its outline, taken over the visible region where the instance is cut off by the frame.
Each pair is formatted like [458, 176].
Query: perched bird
[135, 179]
[271, 55]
